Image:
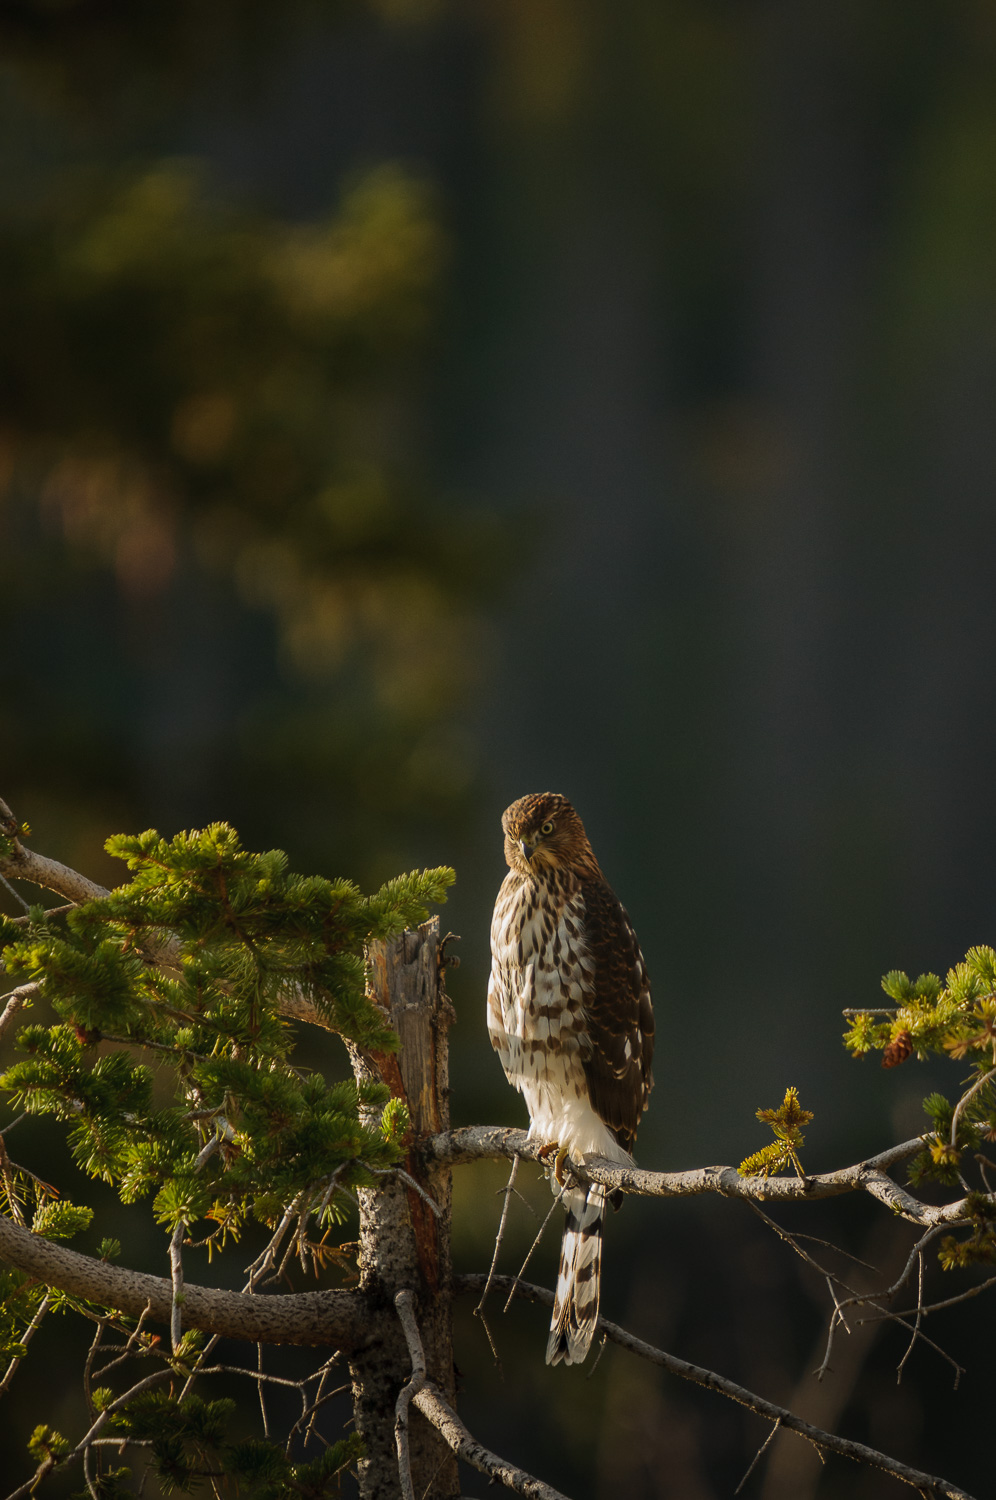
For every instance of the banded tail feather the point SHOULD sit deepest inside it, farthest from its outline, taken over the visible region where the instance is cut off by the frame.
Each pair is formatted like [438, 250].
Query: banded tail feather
[575, 1306]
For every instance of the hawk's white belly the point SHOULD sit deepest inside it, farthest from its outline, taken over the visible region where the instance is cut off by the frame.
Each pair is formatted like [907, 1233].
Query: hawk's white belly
[540, 975]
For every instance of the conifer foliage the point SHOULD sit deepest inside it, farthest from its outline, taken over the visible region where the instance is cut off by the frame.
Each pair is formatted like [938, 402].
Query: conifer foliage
[173, 1065]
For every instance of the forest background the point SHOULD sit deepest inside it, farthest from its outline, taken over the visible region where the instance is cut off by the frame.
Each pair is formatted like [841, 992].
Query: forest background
[409, 405]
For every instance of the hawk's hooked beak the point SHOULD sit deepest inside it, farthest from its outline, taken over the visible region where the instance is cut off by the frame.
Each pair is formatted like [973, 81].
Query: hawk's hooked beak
[527, 849]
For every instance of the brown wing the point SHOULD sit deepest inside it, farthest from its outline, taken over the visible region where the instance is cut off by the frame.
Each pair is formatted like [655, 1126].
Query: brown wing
[620, 1017]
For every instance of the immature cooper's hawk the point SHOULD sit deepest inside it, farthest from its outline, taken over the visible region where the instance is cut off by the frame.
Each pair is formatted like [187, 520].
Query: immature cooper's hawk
[569, 1015]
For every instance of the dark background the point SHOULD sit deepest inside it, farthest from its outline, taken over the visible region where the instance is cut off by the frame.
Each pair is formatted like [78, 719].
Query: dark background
[409, 405]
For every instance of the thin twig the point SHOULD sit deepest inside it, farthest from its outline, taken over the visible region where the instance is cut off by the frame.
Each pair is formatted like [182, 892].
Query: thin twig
[969, 1094]
[507, 1190]
[758, 1455]
[260, 1392]
[535, 1243]
[25, 1339]
[916, 1325]
[973, 1291]
[407, 1178]
[15, 894]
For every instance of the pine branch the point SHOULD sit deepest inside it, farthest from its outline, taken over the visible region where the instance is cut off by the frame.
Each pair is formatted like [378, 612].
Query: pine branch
[52, 875]
[928, 1484]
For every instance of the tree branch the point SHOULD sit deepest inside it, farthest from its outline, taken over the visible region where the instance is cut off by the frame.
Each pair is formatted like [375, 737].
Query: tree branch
[26, 864]
[929, 1483]
[446, 1422]
[404, 1301]
[340, 1319]
[475, 1142]
[16, 1001]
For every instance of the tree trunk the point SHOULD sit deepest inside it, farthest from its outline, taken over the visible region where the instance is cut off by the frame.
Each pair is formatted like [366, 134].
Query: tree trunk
[403, 1242]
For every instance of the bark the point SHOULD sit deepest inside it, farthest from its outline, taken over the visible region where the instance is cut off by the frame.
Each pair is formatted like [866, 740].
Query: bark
[339, 1319]
[404, 1239]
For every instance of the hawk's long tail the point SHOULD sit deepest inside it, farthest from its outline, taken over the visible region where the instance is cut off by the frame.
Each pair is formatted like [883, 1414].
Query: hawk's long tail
[575, 1306]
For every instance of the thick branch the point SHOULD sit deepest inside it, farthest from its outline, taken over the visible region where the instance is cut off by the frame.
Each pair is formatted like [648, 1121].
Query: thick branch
[870, 1176]
[25, 864]
[926, 1483]
[341, 1320]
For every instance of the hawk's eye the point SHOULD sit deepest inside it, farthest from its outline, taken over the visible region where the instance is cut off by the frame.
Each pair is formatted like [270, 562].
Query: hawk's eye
[547, 827]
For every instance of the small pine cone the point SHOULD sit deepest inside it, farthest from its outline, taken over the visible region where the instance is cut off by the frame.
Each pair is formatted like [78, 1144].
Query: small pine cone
[898, 1050]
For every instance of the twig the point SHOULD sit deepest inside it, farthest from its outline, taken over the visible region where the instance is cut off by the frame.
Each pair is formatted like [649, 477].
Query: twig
[861, 1299]
[260, 1392]
[15, 895]
[916, 1325]
[532, 1248]
[115, 1406]
[973, 1291]
[758, 1456]
[404, 1301]
[724, 1387]
[49, 911]
[479, 1309]
[969, 1094]
[26, 1338]
[407, 1178]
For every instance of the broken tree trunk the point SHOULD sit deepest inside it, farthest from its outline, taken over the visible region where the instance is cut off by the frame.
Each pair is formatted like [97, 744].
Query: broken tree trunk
[405, 1239]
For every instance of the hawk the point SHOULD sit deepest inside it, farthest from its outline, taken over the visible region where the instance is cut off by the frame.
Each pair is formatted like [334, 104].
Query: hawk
[569, 1015]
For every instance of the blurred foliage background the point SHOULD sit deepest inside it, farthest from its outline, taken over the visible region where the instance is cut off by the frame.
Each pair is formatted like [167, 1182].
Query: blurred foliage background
[408, 405]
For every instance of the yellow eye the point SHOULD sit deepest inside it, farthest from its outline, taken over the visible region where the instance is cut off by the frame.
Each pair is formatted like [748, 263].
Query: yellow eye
[547, 828]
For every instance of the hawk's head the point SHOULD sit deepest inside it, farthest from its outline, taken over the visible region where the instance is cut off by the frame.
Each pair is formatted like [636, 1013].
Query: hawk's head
[543, 832]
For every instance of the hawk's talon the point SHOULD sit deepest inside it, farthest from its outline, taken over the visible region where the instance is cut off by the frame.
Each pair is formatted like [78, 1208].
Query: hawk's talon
[562, 1153]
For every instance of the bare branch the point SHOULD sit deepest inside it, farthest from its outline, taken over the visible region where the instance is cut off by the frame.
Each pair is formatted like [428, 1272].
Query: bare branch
[16, 1001]
[26, 1338]
[969, 1094]
[446, 1422]
[479, 1309]
[476, 1142]
[341, 1319]
[713, 1382]
[25, 864]
[404, 1301]
[758, 1456]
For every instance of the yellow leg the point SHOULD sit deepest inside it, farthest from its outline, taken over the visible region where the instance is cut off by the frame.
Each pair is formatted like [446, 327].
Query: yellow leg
[562, 1153]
